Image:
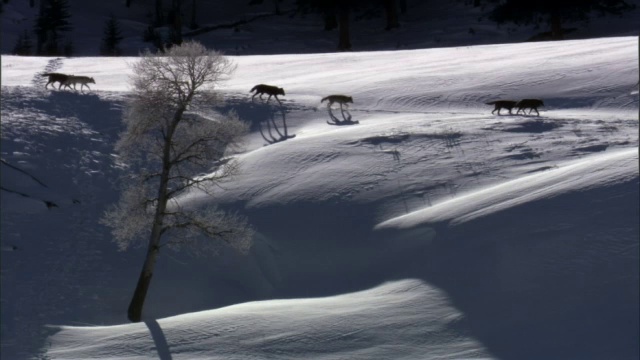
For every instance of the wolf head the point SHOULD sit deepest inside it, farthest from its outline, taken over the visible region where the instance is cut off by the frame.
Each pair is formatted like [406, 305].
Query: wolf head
[91, 80]
[280, 91]
[350, 99]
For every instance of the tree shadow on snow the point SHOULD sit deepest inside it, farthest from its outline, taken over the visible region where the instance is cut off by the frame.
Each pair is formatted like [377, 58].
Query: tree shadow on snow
[162, 347]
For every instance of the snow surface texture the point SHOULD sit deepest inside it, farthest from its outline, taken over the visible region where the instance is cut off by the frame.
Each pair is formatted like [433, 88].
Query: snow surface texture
[424, 227]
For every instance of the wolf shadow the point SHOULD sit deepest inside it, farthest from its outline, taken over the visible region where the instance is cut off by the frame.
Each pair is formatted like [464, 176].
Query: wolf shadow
[262, 117]
[346, 119]
[279, 136]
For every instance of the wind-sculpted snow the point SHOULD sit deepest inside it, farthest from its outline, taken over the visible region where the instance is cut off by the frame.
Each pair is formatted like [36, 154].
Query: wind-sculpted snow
[372, 324]
[597, 171]
[539, 251]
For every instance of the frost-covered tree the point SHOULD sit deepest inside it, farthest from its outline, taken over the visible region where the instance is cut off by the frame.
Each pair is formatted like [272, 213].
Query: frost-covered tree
[168, 145]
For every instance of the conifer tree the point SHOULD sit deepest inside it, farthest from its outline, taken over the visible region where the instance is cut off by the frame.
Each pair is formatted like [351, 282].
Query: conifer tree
[554, 12]
[52, 21]
[23, 46]
[112, 37]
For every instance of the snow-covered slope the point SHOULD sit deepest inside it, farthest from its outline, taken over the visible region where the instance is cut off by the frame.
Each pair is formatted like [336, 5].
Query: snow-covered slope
[373, 324]
[425, 228]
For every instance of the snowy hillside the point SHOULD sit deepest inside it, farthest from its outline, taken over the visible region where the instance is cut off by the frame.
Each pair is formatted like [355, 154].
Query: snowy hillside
[425, 227]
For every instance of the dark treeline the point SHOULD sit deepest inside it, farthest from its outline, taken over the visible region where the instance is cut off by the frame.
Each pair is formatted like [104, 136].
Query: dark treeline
[339, 16]
[551, 14]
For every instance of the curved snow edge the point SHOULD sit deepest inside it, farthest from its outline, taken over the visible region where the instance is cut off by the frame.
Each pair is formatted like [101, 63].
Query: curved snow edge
[594, 171]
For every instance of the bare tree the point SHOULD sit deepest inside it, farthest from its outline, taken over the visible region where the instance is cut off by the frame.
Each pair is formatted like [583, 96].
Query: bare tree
[168, 144]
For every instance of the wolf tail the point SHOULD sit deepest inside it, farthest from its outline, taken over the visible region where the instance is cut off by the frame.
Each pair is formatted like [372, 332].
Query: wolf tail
[46, 74]
[254, 88]
[491, 103]
[324, 99]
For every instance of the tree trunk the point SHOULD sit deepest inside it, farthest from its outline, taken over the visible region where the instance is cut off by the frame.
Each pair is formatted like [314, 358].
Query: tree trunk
[159, 17]
[139, 295]
[134, 312]
[137, 302]
[391, 11]
[556, 27]
[329, 17]
[277, 7]
[128, 3]
[41, 35]
[194, 23]
[176, 37]
[344, 42]
[403, 7]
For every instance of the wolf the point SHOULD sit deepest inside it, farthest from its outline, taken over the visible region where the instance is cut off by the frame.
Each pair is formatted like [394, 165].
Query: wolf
[340, 99]
[82, 80]
[532, 104]
[267, 89]
[54, 78]
[502, 104]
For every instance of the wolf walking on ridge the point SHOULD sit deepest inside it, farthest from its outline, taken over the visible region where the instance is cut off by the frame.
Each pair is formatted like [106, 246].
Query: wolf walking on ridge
[532, 104]
[344, 101]
[502, 104]
[267, 89]
[340, 99]
[82, 80]
[54, 78]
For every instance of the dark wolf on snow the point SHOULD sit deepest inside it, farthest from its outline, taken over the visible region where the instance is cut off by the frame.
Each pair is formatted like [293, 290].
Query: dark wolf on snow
[267, 89]
[68, 80]
[532, 104]
[522, 105]
[54, 78]
[82, 80]
[502, 104]
[340, 99]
